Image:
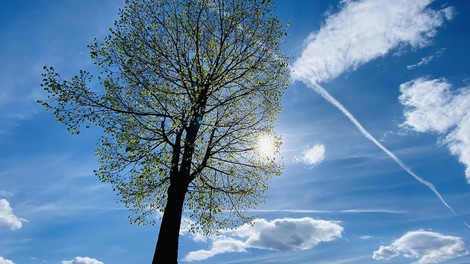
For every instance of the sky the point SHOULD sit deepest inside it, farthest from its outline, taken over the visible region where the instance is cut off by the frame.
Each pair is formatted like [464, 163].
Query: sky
[375, 123]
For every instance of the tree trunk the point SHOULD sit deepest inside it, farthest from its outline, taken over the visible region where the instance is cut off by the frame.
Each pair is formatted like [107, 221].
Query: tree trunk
[166, 251]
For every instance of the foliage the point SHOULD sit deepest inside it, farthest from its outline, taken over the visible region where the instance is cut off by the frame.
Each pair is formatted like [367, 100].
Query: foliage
[186, 88]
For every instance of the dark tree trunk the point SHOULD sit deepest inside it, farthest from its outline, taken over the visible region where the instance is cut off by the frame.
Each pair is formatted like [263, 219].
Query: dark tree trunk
[166, 251]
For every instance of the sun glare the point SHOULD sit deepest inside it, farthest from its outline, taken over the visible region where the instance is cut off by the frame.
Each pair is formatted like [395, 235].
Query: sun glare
[266, 146]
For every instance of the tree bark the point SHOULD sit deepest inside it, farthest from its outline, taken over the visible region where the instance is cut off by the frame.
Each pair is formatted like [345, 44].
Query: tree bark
[166, 251]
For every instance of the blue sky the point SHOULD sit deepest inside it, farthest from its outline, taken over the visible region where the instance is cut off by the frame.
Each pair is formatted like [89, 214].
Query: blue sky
[375, 121]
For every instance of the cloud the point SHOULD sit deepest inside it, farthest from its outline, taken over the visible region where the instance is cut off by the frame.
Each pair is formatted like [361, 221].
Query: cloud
[6, 261]
[219, 246]
[423, 61]
[328, 97]
[6, 194]
[385, 253]
[426, 60]
[7, 217]
[428, 247]
[431, 106]
[82, 260]
[362, 31]
[313, 155]
[365, 30]
[345, 211]
[285, 234]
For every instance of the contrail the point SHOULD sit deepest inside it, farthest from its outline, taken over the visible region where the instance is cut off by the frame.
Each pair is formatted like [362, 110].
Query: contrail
[325, 94]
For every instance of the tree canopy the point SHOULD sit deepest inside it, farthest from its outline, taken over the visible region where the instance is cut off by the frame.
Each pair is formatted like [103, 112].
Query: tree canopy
[185, 90]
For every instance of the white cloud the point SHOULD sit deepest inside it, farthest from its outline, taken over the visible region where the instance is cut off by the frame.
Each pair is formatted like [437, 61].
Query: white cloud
[347, 211]
[82, 260]
[428, 247]
[7, 217]
[426, 60]
[364, 30]
[313, 155]
[6, 194]
[286, 234]
[189, 226]
[6, 261]
[219, 246]
[423, 61]
[385, 253]
[431, 106]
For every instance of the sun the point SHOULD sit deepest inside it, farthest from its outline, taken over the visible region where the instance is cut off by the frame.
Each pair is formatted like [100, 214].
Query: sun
[266, 146]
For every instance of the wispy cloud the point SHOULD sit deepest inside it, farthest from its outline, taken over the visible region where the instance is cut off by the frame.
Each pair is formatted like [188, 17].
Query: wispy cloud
[7, 217]
[360, 32]
[5, 194]
[52, 176]
[312, 155]
[426, 60]
[431, 106]
[82, 260]
[365, 30]
[6, 261]
[428, 247]
[345, 211]
[17, 102]
[285, 234]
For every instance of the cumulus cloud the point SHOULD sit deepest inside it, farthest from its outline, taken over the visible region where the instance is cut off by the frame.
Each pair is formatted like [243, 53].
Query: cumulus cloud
[385, 253]
[364, 30]
[7, 217]
[219, 246]
[313, 155]
[428, 247]
[82, 260]
[6, 261]
[285, 234]
[431, 106]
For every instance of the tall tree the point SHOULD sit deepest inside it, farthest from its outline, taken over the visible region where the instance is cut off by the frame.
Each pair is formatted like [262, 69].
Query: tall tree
[186, 89]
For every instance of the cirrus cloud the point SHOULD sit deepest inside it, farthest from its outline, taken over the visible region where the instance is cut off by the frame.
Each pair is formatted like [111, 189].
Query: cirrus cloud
[5, 194]
[428, 247]
[285, 234]
[365, 30]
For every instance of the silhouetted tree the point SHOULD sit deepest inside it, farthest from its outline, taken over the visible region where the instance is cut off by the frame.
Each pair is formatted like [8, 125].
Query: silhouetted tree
[186, 88]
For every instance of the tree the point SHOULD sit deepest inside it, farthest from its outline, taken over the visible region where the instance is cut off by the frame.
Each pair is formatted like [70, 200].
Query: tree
[186, 89]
